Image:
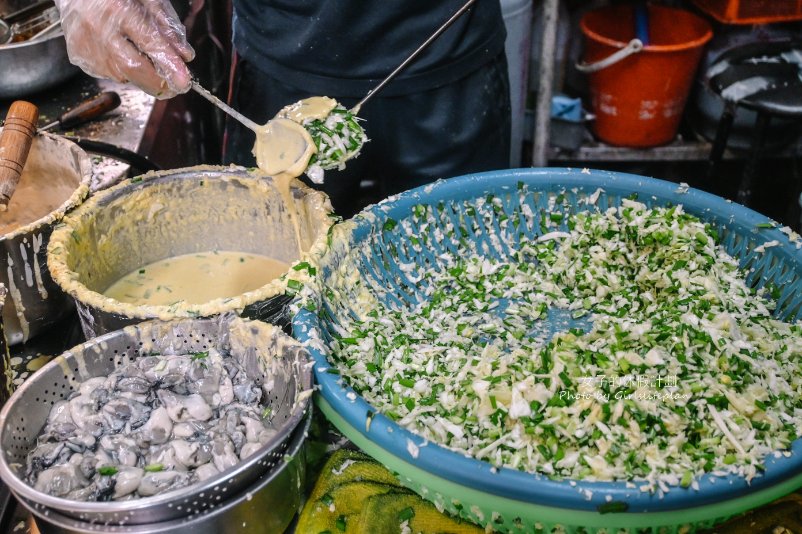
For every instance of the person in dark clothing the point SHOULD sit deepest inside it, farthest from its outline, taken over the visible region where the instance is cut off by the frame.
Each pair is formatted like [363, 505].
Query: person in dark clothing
[447, 114]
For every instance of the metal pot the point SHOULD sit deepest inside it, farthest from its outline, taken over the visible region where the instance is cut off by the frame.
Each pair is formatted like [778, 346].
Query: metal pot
[269, 505]
[167, 214]
[34, 302]
[6, 373]
[30, 66]
[284, 362]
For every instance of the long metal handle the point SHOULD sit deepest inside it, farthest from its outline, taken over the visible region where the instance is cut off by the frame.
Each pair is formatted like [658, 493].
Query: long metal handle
[412, 56]
[248, 123]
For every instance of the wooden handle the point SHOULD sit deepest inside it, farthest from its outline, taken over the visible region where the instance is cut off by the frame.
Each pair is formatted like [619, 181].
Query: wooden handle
[90, 109]
[15, 143]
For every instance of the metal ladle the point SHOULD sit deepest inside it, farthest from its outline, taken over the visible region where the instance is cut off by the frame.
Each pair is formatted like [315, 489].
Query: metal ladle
[265, 135]
[355, 110]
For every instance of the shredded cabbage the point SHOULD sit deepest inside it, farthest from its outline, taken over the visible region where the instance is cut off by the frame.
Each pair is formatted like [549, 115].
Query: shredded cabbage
[680, 369]
[338, 138]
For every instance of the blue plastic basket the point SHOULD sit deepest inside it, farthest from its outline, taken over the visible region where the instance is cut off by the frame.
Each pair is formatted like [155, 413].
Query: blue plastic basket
[508, 499]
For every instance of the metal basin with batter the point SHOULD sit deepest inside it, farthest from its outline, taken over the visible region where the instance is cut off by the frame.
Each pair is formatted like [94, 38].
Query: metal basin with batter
[183, 211]
[34, 302]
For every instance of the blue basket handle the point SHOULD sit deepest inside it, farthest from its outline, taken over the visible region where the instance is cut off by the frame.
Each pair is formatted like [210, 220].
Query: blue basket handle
[633, 47]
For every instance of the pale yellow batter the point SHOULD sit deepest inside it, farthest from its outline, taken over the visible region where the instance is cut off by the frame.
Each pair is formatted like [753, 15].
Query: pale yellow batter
[196, 278]
[37, 194]
[283, 147]
[316, 107]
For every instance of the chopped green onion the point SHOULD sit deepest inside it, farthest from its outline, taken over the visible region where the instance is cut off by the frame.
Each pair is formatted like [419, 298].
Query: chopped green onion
[406, 514]
[340, 523]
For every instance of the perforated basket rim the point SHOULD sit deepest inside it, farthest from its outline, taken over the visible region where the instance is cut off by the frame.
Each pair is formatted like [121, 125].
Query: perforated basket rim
[519, 485]
[277, 443]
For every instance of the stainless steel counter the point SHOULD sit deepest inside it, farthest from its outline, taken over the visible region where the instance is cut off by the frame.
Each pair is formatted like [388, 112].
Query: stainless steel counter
[123, 127]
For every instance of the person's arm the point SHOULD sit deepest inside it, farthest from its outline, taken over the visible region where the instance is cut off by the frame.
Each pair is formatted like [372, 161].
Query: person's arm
[137, 41]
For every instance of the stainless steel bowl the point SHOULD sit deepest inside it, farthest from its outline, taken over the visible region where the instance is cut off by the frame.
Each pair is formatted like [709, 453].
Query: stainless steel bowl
[34, 302]
[31, 66]
[183, 211]
[269, 505]
[26, 412]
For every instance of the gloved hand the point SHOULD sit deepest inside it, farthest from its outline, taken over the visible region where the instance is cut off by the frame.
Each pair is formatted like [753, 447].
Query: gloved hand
[138, 41]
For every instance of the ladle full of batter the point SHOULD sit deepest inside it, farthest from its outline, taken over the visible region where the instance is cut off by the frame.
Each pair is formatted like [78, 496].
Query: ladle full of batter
[284, 147]
[316, 133]
[311, 135]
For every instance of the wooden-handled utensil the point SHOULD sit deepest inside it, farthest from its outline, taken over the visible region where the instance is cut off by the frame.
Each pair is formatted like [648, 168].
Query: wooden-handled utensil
[86, 111]
[15, 143]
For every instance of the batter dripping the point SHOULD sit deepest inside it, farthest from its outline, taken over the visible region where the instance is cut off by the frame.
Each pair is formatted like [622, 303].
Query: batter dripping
[283, 146]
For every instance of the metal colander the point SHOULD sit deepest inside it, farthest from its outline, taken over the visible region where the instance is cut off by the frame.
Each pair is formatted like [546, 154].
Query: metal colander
[268, 505]
[25, 414]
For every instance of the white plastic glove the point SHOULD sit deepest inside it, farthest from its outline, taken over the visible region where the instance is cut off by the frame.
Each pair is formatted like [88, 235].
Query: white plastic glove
[137, 41]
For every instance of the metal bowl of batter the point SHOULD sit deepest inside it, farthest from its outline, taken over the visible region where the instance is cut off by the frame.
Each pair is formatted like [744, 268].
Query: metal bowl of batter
[55, 180]
[191, 242]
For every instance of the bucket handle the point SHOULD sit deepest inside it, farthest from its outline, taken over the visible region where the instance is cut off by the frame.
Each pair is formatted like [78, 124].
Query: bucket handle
[633, 47]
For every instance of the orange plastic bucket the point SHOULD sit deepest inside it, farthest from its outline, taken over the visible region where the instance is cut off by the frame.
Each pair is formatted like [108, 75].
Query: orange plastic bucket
[639, 93]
